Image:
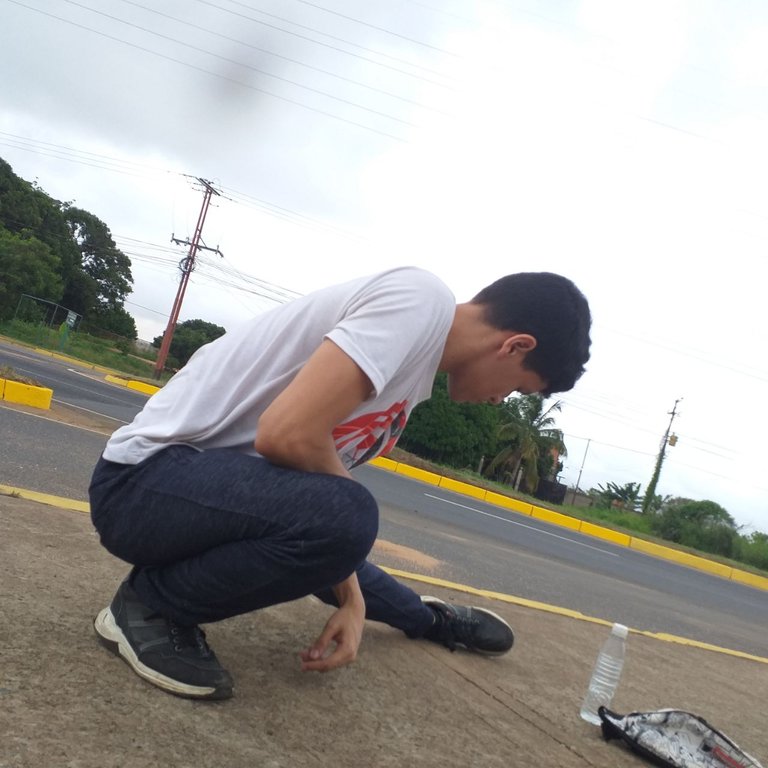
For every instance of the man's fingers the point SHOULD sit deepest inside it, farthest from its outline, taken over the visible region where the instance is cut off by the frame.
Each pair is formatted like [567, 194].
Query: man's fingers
[314, 658]
[338, 642]
[338, 658]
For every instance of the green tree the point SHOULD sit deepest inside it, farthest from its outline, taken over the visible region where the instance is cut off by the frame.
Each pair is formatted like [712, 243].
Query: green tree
[456, 434]
[27, 266]
[526, 433]
[114, 320]
[753, 549]
[703, 525]
[189, 336]
[106, 267]
[95, 274]
[25, 209]
[613, 495]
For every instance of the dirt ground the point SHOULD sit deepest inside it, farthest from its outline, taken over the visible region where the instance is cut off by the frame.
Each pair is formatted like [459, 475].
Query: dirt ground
[66, 702]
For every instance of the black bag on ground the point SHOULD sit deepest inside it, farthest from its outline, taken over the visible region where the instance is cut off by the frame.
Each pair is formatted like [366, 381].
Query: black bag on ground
[675, 739]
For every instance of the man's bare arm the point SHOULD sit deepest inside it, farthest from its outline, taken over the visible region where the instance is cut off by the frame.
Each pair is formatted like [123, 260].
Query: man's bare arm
[296, 429]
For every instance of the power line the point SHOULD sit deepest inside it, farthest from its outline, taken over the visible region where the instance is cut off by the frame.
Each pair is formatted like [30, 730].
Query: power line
[149, 309]
[610, 445]
[286, 58]
[378, 28]
[105, 162]
[217, 75]
[759, 375]
[330, 37]
[255, 285]
[288, 214]
[198, 49]
[94, 155]
[45, 152]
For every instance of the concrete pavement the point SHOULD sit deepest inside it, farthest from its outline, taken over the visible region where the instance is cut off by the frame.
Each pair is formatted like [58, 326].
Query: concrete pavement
[65, 701]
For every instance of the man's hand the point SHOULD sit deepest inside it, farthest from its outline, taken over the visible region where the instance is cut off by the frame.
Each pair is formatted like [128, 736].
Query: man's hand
[342, 633]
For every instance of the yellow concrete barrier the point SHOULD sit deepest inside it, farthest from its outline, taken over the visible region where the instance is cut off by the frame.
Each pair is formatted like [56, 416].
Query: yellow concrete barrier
[605, 533]
[418, 474]
[463, 488]
[508, 503]
[548, 516]
[26, 394]
[140, 386]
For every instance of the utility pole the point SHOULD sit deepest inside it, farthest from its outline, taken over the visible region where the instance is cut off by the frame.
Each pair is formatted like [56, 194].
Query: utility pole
[187, 265]
[651, 491]
[578, 480]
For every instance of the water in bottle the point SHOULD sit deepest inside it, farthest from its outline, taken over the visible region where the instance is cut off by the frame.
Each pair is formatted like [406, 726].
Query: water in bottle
[605, 675]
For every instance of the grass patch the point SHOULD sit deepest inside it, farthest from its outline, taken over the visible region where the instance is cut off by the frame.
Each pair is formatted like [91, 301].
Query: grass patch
[7, 372]
[84, 347]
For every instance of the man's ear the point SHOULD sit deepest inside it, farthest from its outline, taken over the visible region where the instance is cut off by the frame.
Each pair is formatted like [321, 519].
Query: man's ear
[519, 342]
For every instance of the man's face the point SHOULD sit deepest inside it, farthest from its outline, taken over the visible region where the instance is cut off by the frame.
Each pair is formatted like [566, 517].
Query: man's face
[494, 376]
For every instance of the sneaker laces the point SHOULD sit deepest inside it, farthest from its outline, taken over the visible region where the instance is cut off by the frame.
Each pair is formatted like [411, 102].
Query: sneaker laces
[188, 638]
[453, 630]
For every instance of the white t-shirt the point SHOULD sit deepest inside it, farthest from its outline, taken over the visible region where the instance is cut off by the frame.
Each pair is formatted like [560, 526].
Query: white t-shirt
[393, 325]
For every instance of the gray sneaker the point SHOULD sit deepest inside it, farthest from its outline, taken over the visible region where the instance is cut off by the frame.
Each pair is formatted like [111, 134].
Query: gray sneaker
[476, 629]
[168, 655]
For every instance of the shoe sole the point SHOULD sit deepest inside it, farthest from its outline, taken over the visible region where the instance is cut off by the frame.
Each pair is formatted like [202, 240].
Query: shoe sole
[112, 638]
[427, 598]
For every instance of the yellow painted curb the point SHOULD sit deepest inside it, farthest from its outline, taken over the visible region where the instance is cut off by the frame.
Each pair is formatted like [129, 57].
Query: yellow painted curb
[590, 529]
[464, 488]
[384, 463]
[46, 498]
[558, 518]
[509, 503]
[750, 579]
[567, 612]
[682, 558]
[418, 474]
[25, 394]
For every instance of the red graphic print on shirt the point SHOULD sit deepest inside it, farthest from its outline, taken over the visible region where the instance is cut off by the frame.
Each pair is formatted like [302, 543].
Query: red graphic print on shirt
[370, 435]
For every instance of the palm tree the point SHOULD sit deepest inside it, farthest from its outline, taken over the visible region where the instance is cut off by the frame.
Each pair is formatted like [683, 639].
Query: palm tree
[526, 433]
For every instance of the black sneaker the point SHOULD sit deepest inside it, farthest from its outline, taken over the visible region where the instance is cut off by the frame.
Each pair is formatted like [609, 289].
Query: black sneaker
[475, 629]
[174, 658]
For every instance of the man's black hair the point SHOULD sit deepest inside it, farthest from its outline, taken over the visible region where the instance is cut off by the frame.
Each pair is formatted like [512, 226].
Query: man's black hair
[554, 311]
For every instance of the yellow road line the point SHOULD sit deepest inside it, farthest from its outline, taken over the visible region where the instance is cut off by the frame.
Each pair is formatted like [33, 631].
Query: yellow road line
[46, 498]
[521, 601]
[83, 506]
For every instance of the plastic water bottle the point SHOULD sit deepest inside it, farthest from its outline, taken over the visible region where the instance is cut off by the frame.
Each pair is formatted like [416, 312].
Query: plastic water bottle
[605, 675]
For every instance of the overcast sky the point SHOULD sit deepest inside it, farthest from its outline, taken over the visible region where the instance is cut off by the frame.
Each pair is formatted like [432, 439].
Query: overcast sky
[621, 143]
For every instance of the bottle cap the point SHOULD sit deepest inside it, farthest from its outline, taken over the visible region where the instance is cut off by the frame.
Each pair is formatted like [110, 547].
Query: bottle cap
[619, 630]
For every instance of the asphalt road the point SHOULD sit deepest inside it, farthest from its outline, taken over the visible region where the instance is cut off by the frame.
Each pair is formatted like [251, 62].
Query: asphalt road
[75, 385]
[470, 542]
[502, 551]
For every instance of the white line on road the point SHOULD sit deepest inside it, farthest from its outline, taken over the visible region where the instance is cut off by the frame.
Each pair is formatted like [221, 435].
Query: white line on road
[88, 410]
[523, 525]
